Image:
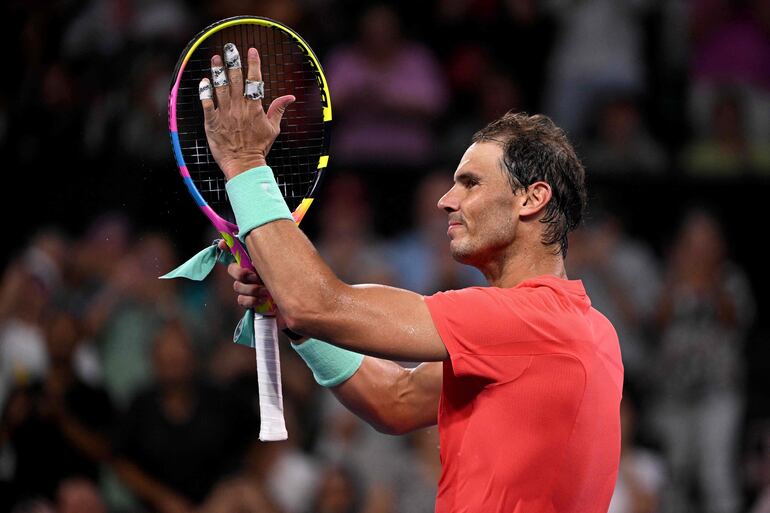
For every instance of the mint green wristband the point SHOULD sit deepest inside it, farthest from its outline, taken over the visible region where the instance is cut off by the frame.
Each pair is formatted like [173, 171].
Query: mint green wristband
[331, 365]
[256, 199]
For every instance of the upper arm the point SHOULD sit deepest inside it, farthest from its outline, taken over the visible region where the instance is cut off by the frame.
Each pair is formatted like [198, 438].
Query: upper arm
[377, 320]
[372, 319]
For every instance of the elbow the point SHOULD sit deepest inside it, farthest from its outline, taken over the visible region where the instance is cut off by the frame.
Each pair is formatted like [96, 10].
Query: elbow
[390, 428]
[395, 416]
[392, 423]
[387, 429]
[310, 313]
[300, 317]
[386, 420]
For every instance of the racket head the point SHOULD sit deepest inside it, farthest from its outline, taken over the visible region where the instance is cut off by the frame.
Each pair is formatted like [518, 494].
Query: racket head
[299, 155]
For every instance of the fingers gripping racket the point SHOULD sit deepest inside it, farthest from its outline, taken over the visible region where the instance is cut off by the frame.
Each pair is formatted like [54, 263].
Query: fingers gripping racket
[298, 157]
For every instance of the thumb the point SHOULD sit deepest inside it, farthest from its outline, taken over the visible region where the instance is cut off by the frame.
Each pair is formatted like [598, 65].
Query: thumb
[277, 108]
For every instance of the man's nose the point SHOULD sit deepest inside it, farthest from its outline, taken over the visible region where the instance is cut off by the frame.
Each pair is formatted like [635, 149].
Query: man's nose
[448, 201]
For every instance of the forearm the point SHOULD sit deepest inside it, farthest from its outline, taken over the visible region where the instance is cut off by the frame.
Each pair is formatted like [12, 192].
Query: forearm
[394, 400]
[291, 268]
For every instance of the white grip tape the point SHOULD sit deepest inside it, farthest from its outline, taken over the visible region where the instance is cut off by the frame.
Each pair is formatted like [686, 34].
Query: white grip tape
[272, 425]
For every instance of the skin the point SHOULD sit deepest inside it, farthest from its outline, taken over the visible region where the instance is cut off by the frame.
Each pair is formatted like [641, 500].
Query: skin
[489, 226]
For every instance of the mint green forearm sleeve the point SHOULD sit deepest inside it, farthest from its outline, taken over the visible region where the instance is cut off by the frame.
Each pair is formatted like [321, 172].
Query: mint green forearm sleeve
[256, 199]
[331, 365]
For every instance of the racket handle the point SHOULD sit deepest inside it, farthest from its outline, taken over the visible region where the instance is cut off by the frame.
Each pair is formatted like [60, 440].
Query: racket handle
[272, 425]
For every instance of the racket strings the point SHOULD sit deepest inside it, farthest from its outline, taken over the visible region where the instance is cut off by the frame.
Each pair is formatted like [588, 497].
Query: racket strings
[286, 69]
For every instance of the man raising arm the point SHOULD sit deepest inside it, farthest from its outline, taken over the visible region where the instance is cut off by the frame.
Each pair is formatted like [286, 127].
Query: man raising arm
[530, 377]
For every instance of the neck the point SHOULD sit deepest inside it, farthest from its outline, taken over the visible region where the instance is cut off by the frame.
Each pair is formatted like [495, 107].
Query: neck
[523, 263]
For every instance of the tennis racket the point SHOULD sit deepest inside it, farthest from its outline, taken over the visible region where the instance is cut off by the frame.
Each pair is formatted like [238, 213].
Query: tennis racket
[298, 157]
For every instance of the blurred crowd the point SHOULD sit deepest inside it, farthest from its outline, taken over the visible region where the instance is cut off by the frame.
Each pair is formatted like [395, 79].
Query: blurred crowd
[120, 392]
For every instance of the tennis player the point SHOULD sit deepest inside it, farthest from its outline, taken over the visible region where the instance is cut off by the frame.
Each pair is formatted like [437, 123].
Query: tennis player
[523, 376]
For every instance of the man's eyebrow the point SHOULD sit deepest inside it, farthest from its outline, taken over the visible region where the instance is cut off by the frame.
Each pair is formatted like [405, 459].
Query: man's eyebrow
[466, 176]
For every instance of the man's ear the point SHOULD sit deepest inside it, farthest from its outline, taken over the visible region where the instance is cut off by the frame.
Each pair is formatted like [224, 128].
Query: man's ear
[536, 198]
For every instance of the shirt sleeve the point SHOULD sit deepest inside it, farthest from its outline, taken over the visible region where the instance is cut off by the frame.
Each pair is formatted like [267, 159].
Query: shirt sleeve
[487, 334]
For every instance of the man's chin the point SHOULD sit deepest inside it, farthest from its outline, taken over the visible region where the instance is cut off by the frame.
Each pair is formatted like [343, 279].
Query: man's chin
[460, 254]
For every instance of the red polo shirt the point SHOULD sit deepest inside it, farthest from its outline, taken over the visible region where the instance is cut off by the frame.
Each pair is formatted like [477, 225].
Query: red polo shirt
[529, 414]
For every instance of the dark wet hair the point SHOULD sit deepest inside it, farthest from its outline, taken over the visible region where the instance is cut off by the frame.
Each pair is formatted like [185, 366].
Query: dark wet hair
[535, 149]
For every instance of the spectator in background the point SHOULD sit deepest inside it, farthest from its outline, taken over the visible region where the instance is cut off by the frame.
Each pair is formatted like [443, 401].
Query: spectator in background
[484, 102]
[99, 30]
[705, 310]
[410, 488]
[467, 61]
[34, 506]
[237, 495]
[90, 261]
[56, 427]
[338, 492]
[288, 12]
[286, 477]
[475, 15]
[63, 107]
[727, 150]
[730, 47]
[128, 309]
[416, 485]
[479, 39]
[621, 144]
[758, 465]
[79, 496]
[622, 276]
[524, 24]
[96, 256]
[388, 91]
[599, 48]
[642, 471]
[374, 458]
[419, 257]
[346, 240]
[216, 315]
[181, 436]
[29, 285]
[141, 131]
